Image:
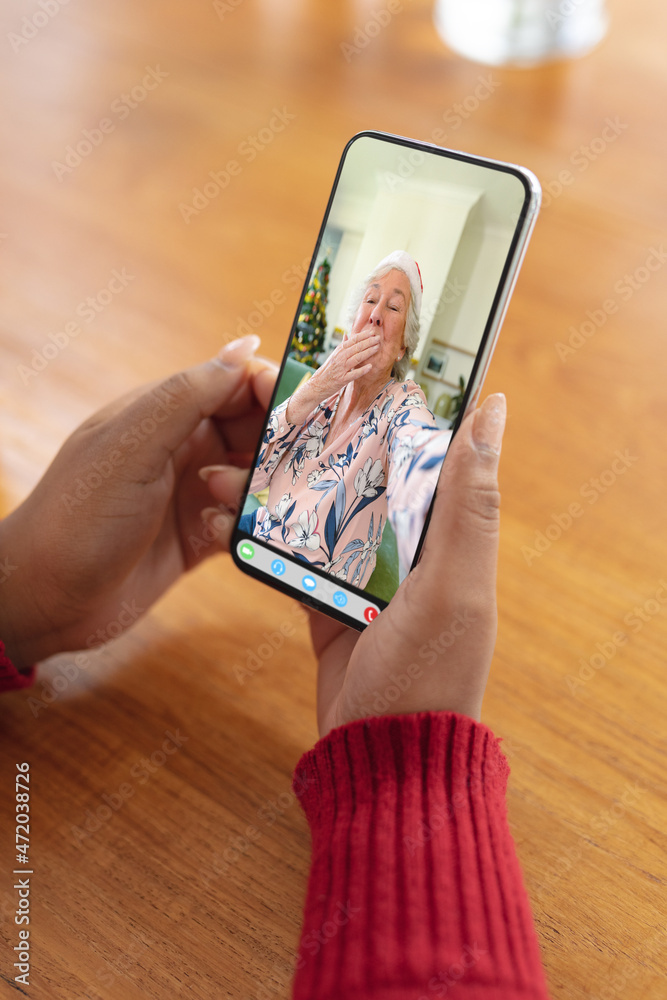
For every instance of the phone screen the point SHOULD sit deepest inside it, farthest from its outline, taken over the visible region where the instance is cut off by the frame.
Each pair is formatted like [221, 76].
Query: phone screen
[408, 282]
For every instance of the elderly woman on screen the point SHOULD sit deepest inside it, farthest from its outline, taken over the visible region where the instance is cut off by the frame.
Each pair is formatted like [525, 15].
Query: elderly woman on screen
[355, 444]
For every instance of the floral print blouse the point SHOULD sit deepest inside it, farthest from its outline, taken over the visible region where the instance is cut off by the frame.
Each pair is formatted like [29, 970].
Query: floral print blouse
[329, 499]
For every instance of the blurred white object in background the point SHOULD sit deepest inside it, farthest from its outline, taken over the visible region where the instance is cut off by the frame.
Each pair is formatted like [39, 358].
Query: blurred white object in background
[521, 32]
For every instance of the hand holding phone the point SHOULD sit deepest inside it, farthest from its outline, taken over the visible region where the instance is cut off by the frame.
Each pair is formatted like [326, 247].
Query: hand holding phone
[431, 649]
[413, 269]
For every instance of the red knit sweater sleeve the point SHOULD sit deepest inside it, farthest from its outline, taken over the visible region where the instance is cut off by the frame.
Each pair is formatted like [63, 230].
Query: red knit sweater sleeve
[415, 889]
[10, 677]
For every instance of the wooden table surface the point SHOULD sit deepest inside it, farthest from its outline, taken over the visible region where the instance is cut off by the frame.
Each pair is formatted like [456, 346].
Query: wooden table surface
[193, 886]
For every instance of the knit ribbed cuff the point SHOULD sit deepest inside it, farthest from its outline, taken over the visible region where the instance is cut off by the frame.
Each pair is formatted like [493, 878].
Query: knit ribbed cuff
[415, 889]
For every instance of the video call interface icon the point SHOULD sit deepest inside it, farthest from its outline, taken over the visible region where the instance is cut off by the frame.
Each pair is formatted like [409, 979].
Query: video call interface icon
[292, 574]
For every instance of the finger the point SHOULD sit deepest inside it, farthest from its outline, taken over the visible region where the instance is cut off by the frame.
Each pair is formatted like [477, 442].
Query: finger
[263, 384]
[241, 418]
[241, 429]
[323, 630]
[360, 335]
[155, 424]
[204, 447]
[361, 355]
[362, 341]
[228, 353]
[241, 434]
[192, 495]
[226, 484]
[217, 524]
[463, 533]
[118, 404]
[245, 398]
[355, 374]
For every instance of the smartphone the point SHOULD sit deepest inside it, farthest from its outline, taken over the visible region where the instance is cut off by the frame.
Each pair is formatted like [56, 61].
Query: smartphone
[399, 313]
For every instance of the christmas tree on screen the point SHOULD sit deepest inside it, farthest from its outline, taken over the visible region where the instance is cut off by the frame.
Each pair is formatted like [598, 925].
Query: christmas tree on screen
[311, 327]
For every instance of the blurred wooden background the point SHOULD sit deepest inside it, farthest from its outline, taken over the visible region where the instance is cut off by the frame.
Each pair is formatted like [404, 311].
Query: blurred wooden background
[164, 899]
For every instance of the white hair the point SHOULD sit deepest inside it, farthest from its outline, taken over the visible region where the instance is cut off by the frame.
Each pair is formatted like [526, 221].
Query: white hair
[411, 330]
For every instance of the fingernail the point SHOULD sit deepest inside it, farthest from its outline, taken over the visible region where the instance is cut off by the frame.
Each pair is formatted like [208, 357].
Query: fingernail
[489, 423]
[208, 470]
[237, 351]
[212, 517]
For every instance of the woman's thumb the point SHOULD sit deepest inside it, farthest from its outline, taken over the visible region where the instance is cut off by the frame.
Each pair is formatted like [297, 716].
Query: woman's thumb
[165, 415]
[462, 537]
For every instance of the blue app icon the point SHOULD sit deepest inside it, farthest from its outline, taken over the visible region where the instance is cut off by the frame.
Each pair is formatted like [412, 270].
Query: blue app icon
[340, 599]
[309, 583]
[278, 567]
